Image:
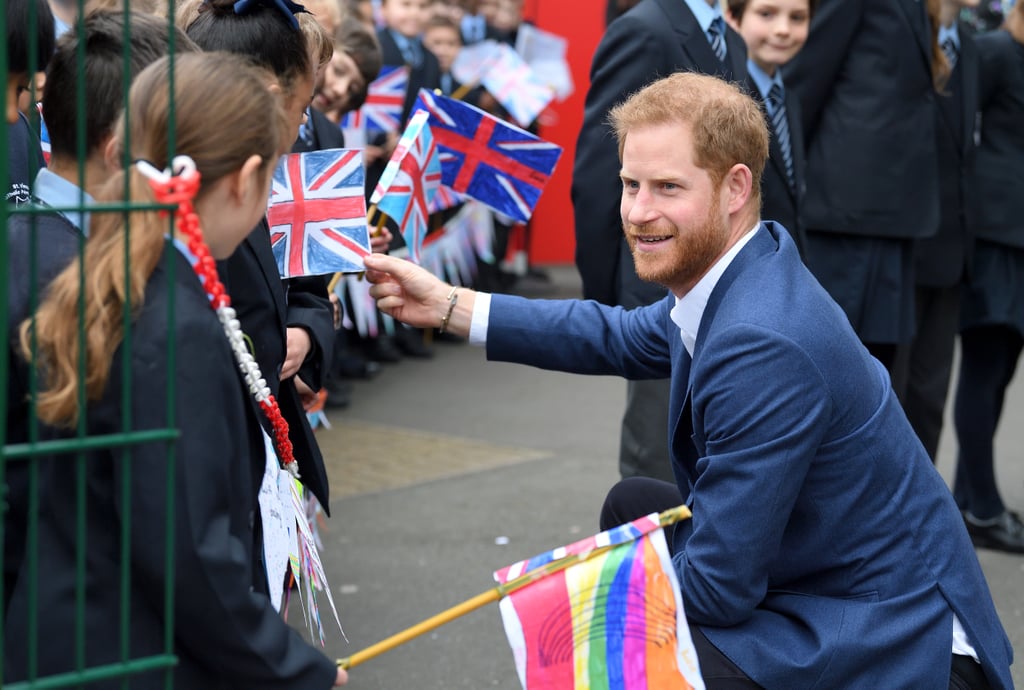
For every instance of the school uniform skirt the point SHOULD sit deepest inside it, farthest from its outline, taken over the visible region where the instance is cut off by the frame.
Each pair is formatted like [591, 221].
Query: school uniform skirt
[871, 278]
[994, 295]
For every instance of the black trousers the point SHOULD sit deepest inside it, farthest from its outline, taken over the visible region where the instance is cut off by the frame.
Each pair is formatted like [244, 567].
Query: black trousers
[638, 496]
[924, 366]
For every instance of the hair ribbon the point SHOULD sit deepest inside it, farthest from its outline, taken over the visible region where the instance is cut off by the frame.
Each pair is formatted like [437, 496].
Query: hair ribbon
[288, 8]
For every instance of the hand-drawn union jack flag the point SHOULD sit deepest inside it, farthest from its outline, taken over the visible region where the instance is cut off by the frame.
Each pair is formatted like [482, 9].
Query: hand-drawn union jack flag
[445, 197]
[317, 213]
[384, 99]
[353, 129]
[515, 85]
[409, 182]
[488, 159]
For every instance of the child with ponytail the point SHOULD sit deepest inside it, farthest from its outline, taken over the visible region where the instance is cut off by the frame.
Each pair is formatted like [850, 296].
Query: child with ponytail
[172, 515]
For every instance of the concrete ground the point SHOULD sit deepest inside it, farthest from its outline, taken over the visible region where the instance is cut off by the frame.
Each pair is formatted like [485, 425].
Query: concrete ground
[444, 470]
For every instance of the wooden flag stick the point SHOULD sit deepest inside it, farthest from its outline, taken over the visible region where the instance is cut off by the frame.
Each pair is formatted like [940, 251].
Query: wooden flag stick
[460, 93]
[669, 517]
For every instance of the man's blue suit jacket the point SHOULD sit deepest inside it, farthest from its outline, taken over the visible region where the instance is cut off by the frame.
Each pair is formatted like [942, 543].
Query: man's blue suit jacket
[825, 551]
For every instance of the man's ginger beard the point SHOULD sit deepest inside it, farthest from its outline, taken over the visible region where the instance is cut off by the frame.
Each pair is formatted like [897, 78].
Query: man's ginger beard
[690, 254]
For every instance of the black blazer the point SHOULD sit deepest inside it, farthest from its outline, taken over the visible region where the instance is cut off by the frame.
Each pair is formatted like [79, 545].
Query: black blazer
[1000, 161]
[653, 40]
[266, 306]
[226, 632]
[426, 75]
[944, 260]
[865, 84]
[320, 134]
[57, 242]
[780, 201]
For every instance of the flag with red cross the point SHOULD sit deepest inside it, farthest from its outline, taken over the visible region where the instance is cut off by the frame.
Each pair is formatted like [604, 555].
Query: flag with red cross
[409, 182]
[317, 213]
[489, 159]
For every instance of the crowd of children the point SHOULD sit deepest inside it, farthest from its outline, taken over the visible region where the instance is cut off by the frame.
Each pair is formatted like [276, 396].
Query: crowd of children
[280, 77]
[295, 71]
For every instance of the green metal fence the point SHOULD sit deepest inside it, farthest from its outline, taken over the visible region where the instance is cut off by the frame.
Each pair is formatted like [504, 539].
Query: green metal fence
[72, 451]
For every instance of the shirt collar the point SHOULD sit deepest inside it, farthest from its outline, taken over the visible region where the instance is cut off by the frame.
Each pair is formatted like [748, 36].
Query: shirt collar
[54, 190]
[703, 12]
[949, 32]
[689, 309]
[761, 79]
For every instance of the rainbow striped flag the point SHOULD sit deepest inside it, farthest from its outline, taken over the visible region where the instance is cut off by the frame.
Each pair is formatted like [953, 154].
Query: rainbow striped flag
[612, 622]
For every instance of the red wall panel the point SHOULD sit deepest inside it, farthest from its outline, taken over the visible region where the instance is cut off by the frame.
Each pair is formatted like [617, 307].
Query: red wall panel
[582, 22]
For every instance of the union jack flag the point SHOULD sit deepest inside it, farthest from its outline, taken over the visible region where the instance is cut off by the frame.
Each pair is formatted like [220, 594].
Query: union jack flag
[353, 129]
[488, 159]
[444, 199]
[44, 135]
[516, 85]
[409, 183]
[317, 213]
[384, 99]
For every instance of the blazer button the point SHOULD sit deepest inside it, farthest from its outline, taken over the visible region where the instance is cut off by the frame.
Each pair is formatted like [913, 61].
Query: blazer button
[252, 519]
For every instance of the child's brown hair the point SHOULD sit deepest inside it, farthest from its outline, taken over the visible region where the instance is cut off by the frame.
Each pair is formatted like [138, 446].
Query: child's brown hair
[439, 21]
[738, 7]
[357, 41]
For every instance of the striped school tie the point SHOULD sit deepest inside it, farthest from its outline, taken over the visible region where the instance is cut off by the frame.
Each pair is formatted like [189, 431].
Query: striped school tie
[716, 36]
[780, 124]
[949, 48]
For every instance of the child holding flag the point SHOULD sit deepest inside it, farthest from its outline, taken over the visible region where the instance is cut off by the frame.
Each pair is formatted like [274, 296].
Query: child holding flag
[225, 630]
[291, 324]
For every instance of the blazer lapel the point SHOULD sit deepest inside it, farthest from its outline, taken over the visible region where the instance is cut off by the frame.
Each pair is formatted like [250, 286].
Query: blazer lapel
[918, 18]
[684, 454]
[968, 65]
[695, 43]
[763, 242]
[796, 142]
[258, 242]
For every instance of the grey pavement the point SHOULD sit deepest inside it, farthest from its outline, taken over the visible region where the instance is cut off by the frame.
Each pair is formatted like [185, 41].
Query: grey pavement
[444, 470]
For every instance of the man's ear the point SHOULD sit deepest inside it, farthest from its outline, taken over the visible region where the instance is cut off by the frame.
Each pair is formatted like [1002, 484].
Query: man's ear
[739, 183]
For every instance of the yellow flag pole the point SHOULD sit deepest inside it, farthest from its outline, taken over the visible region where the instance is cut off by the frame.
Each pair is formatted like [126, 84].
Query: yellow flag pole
[460, 93]
[669, 517]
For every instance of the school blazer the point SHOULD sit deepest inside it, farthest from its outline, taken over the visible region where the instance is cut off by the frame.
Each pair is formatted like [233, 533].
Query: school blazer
[781, 201]
[1000, 159]
[651, 41]
[945, 259]
[824, 549]
[226, 632]
[865, 85]
[426, 76]
[266, 306]
[56, 245]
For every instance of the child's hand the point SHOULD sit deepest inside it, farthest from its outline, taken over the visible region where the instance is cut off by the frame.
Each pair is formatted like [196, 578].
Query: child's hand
[299, 345]
[372, 153]
[336, 306]
[380, 239]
